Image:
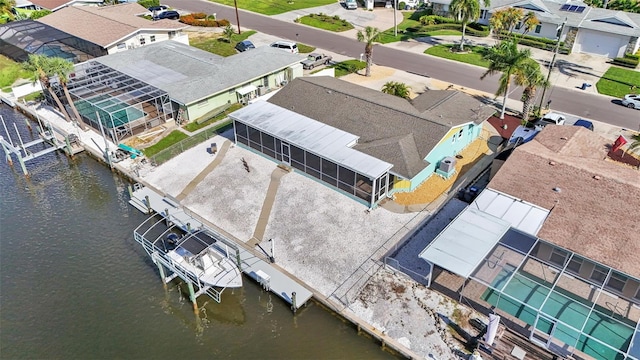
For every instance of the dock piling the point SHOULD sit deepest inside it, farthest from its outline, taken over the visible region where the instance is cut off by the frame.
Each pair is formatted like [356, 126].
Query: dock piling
[148, 203]
[192, 297]
[293, 302]
[161, 269]
[166, 215]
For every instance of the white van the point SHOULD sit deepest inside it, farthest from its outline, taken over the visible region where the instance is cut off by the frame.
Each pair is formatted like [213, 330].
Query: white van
[289, 46]
[351, 4]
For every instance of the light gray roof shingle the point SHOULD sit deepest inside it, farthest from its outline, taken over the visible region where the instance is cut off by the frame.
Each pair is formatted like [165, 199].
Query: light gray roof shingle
[389, 128]
[189, 74]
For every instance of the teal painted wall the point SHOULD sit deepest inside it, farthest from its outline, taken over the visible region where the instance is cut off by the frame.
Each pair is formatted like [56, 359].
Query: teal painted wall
[446, 147]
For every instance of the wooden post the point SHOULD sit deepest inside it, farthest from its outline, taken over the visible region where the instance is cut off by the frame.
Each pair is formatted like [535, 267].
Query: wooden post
[148, 203]
[238, 260]
[293, 302]
[192, 297]
[130, 189]
[161, 269]
[166, 214]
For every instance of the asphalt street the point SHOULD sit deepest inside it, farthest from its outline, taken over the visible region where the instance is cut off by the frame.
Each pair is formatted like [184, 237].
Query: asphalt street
[591, 106]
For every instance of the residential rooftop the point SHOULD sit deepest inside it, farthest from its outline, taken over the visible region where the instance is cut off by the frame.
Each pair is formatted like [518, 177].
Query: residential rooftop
[189, 74]
[593, 201]
[105, 25]
[389, 128]
[54, 5]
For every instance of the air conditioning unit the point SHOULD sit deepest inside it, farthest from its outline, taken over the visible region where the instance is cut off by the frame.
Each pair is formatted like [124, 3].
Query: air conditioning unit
[262, 90]
[446, 167]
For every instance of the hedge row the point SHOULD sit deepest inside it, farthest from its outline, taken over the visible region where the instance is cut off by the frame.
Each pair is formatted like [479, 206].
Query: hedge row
[479, 30]
[200, 19]
[630, 61]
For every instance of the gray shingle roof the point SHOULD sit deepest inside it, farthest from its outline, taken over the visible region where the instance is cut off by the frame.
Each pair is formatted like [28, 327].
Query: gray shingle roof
[189, 74]
[389, 128]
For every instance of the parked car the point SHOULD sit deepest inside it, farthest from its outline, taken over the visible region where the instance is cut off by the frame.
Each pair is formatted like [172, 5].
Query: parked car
[169, 14]
[245, 45]
[285, 45]
[351, 4]
[158, 8]
[550, 118]
[523, 134]
[584, 123]
[632, 101]
[315, 59]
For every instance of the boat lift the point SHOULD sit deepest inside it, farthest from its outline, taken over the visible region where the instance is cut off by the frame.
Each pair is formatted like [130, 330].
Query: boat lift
[48, 134]
[152, 235]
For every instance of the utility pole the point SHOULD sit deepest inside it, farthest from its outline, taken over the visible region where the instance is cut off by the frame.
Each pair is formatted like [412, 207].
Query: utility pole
[395, 21]
[553, 60]
[235, 3]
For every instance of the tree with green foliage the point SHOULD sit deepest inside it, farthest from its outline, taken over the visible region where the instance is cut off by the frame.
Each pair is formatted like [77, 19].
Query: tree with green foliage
[466, 11]
[6, 9]
[40, 65]
[505, 20]
[632, 6]
[594, 3]
[62, 68]
[635, 144]
[228, 33]
[529, 22]
[505, 58]
[397, 89]
[37, 14]
[369, 35]
[530, 77]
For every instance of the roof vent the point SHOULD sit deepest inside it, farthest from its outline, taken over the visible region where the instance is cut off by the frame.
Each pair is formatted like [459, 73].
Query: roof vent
[552, 163]
[557, 189]
[563, 138]
[596, 177]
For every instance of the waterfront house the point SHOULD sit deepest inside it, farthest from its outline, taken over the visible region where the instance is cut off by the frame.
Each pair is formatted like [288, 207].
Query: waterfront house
[365, 143]
[552, 245]
[587, 29]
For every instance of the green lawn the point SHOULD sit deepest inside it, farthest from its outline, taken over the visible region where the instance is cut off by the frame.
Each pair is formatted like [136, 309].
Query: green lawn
[618, 81]
[305, 49]
[173, 137]
[218, 45]
[10, 71]
[193, 126]
[274, 7]
[348, 67]
[326, 22]
[474, 57]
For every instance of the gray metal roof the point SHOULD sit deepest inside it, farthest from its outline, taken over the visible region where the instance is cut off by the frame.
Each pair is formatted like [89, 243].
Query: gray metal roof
[389, 128]
[321, 139]
[189, 74]
[465, 242]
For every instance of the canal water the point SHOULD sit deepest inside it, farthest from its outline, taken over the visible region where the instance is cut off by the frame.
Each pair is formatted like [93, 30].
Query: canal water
[74, 284]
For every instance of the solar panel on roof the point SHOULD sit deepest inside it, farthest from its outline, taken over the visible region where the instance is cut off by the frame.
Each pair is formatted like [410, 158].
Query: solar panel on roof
[580, 9]
[565, 7]
[572, 8]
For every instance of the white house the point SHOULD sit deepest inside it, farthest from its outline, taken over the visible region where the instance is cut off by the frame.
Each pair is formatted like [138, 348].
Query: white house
[115, 28]
[586, 29]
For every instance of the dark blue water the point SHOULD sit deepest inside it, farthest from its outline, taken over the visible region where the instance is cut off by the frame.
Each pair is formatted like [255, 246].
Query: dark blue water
[74, 284]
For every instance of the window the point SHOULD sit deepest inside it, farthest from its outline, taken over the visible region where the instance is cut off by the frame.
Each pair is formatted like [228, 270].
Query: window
[152, 38]
[142, 40]
[617, 281]
[484, 14]
[268, 141]
[575, 264]
[518, 25]
[122, 46]
[241, 129]
[538, 28]
[297, 154]
[558, 257]
[313, 161]
[460, 134]
[599, 274]
[172, 34]
[254, 135]
[329, 168]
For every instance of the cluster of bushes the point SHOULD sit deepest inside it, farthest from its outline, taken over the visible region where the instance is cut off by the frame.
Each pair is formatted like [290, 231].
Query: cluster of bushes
[537, 42]
[629, 60]
[326, 18]
[436, 22]
[202, 19]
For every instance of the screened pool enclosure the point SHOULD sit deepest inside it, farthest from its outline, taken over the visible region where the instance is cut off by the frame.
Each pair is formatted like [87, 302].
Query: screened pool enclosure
[115, 103]
[566, 303]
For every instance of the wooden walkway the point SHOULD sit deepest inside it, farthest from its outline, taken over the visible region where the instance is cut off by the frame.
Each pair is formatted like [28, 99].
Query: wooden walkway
[271, 278]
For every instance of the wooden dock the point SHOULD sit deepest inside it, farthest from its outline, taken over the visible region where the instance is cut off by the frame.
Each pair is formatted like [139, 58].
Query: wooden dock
[269, 277]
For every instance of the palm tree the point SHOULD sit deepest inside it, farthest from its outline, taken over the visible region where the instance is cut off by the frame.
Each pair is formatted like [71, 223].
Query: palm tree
[62, 68]
[505, 20]
[228, 33]
[397, 89]
[529, 22]
[505, 58]
[41, 66]
[369, 35]
[529, 76]
[466, 11]
[6, 8]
